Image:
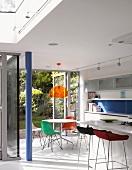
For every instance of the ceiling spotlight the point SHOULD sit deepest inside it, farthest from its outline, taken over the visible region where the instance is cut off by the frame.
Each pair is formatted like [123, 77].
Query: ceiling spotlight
[27, 16]
[98, 68]
[53, 44]
[119, 63]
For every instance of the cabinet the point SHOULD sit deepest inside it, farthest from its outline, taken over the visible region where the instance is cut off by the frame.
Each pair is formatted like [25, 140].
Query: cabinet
[106, 84]
[92, 85]
[123, 82]
[99, 84]
[111, 83]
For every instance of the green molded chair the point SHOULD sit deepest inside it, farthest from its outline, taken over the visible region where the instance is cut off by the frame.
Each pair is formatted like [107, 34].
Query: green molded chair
[47, 129]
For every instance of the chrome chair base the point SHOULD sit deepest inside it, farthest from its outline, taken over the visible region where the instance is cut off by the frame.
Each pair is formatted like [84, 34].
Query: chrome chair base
[125, 166]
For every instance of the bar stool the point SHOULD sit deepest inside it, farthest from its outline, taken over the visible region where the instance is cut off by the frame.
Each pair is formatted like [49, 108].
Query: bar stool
[110, 137]
[90, 132]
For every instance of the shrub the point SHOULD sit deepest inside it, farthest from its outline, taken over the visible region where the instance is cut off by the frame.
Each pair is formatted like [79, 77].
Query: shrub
[36, 96]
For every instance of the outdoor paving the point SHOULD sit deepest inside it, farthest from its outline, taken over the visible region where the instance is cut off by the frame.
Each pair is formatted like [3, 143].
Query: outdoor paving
[22, 134]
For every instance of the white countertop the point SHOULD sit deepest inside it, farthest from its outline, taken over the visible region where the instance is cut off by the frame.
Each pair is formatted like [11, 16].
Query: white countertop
[114, 126]
[112, 114]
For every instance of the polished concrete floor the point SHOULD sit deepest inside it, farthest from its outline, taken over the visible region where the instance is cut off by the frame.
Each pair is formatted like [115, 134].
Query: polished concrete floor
[66, 159]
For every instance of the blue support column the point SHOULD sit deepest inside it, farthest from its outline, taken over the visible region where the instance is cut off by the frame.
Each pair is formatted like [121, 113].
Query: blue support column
[28, 69]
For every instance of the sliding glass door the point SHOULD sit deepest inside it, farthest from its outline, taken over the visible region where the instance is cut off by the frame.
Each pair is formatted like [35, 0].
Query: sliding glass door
[10, 106]
[13, 107]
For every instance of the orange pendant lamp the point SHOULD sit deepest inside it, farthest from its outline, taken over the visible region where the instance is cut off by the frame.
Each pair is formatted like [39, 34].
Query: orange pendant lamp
[58, 92]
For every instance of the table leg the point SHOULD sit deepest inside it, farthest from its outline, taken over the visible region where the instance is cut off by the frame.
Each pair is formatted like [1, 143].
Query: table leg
[62, 137]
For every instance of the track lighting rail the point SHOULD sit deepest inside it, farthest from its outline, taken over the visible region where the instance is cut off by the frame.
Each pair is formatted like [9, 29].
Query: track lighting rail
[99, 64]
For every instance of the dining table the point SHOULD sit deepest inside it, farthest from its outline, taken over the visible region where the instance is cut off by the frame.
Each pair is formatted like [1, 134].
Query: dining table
[61, 121]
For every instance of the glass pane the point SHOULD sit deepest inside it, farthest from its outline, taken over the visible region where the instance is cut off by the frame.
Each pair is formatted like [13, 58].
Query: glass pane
[9, 5]
[123, 82]
[58, 102]
[106, 84]
[12, 108]
[74, 94]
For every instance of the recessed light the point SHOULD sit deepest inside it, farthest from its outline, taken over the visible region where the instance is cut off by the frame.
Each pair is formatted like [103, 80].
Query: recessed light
[53, 44]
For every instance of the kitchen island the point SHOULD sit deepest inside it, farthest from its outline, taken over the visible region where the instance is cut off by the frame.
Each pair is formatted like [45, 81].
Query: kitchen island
[99, 115]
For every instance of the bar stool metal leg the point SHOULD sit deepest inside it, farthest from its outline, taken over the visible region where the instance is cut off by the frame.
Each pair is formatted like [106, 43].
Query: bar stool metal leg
[86, 141]
[111, 156]
[125, 155]
[107, 164]
[97, 153]
[89, 151]
[79, 151]
[110, 137]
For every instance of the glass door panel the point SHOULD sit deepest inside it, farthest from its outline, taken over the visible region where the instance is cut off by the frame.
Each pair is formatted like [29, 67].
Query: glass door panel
[74, 94]
[59, 104]
[13, 106]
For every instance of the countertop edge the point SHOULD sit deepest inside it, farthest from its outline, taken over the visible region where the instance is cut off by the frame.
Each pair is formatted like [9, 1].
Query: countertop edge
[111, 114]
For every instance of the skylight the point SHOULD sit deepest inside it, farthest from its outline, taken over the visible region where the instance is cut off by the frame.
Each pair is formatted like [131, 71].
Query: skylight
[23, 16]
[10, 6]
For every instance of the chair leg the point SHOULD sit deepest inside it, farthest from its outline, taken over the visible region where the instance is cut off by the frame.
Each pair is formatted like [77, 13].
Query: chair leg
[49, 141]
[107, 164]
[89, 150]
[104, 149]
[97, 154]
[125, 155]
[59, 144]
[44, 142]
[78, 138]
[86, 141]
[51, 144]
[111, 156]
[40, 137]
[79, 149]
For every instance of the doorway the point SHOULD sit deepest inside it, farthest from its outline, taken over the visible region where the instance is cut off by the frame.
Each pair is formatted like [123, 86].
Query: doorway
[63, 107]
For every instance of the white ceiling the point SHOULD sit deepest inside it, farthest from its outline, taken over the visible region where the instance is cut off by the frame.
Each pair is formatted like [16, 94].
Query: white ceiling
[83, 30]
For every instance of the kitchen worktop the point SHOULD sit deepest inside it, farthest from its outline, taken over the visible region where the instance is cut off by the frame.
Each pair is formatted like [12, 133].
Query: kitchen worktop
[113, 126]
[111, 114]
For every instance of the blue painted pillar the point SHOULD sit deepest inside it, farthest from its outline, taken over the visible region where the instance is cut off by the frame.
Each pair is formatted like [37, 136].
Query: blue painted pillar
[28, 70]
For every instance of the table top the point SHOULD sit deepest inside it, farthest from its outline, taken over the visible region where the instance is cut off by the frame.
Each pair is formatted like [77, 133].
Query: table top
[60, 120]
[113, 126]
[36, 129]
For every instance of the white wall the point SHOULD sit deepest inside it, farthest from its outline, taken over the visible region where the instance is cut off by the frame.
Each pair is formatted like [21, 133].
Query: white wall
[104, 72]
[83, 95]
